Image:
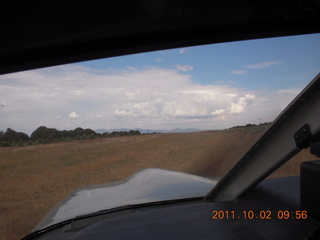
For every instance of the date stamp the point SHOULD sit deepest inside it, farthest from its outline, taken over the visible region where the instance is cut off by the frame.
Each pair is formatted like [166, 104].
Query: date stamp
[262, 214]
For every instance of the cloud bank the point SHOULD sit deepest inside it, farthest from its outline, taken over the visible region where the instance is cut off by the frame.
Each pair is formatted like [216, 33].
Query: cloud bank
[73, 96]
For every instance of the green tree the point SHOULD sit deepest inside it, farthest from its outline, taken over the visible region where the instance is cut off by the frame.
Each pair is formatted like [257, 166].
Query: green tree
[46, 135]
[13, 137]
[89, 131]
[79, 132]
[134, 132]
[39, 133]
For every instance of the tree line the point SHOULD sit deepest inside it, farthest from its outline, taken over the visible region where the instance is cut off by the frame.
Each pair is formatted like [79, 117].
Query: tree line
[249, 125]
[44, 135]
[251, 128]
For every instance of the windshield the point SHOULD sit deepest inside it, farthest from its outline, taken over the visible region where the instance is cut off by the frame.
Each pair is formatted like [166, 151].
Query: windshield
[194, 110]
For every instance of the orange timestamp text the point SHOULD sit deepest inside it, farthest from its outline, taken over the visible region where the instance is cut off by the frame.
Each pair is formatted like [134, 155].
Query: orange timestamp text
[262, 214]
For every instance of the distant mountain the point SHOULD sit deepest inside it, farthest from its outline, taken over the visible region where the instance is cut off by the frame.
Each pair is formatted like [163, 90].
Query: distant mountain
[176, 130]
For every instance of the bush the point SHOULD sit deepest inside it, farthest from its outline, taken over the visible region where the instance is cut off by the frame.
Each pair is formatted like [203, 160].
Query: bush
[5, 144]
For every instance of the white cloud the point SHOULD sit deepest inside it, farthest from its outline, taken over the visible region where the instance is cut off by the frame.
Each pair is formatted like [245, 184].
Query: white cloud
[151, 98]
[289, 91]
[120, 113]
[131, 68]
[218, 112]
[239, 72]
[184, 68]
[262, 65]
[73, 115]
[183, 50]
[241, 104]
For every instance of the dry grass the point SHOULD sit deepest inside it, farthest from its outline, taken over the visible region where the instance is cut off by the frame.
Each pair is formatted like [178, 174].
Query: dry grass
[35, 178]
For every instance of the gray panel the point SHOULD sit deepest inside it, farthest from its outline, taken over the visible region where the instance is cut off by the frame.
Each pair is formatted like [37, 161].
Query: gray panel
[149, 185]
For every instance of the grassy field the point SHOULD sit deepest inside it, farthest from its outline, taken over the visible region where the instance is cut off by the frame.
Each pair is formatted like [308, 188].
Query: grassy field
[35, 178]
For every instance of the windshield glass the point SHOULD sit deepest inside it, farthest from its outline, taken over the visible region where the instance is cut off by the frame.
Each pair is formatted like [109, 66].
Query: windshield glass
[194, 110]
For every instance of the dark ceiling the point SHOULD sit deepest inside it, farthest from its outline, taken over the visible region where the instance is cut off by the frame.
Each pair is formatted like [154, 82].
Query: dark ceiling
[47, 34]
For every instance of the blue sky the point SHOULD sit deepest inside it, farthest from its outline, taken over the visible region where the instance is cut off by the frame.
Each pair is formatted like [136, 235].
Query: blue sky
[230, 62]
[205, 87]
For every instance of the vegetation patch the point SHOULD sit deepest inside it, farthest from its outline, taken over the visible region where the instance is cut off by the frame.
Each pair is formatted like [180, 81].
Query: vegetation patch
[44, 135]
